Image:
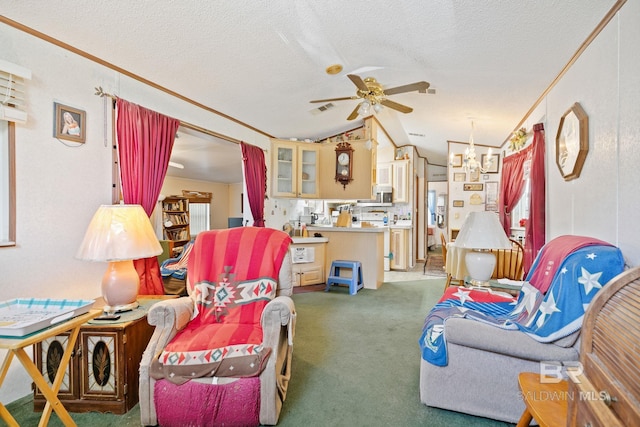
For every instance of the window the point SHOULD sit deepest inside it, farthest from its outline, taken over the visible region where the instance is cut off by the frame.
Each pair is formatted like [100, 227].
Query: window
[200, 217]
[520, 212]
[7, 184]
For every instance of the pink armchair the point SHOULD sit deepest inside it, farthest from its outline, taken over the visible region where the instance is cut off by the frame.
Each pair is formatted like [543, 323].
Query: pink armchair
[222, 355]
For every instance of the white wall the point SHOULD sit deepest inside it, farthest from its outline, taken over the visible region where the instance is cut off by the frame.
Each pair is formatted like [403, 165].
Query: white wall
[457, 215]
[603, 202]
[60, 186]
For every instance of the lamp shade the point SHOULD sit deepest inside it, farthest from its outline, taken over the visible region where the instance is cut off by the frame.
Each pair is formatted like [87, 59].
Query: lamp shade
[118, 233]
[482, 230]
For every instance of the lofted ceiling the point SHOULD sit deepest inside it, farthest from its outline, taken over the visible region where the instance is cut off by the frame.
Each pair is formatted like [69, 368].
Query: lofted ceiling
[261, 62]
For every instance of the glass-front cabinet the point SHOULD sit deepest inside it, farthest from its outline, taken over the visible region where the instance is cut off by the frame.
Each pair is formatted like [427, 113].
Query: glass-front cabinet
[295, 169]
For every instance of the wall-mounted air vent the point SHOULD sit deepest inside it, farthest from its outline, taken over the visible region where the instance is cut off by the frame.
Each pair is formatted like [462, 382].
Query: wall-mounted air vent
[322, 108]
[419, 135]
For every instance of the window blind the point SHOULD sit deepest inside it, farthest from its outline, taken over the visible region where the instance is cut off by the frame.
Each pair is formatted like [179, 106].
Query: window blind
[13, 105]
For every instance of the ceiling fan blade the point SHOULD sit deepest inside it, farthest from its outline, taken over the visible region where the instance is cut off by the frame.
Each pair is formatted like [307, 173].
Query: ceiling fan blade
[357, 80]
[419, 86]
[354, 113]
[396, 106]
[344, 98]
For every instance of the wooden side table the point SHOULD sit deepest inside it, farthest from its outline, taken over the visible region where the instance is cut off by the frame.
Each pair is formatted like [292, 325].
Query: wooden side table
[545, 402]
[102, 374]
[49, 390]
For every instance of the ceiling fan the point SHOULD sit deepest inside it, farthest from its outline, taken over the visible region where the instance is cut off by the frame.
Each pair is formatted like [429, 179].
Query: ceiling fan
[374, 96]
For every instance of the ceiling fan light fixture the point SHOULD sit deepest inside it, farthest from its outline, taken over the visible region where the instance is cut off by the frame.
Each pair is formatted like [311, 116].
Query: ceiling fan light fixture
[364, 109]
[377, 107]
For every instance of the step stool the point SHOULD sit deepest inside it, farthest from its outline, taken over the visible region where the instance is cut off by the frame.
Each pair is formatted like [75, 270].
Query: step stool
[355, 281]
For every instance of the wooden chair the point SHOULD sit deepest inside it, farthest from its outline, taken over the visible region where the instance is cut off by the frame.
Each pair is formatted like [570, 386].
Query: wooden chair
[509, 262]
[443, 240]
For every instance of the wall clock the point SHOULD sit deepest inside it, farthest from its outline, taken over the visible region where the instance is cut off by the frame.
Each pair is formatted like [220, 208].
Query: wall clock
[572, 142]
[344, 163]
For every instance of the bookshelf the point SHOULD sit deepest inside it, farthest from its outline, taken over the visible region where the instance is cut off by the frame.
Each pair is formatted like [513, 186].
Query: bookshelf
[175, 221]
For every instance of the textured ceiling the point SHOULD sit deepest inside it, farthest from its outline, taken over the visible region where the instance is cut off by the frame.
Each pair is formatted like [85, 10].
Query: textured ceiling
[261, 62]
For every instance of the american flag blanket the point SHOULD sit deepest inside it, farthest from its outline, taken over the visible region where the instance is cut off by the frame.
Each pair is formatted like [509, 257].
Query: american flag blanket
[545, 317]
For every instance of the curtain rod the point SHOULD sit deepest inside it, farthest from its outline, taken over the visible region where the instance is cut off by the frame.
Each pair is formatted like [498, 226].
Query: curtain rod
[101, 93]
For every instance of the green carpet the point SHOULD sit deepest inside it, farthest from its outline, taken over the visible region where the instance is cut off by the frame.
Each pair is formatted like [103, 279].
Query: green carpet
[355, 363]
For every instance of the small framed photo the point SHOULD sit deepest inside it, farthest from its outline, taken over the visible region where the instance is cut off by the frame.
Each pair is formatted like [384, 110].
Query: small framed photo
[458, 203]
[491, 196]
[474, 175]
[492, 161]
[456, 161]
[69, 123]
[459, 177]
[473, 187]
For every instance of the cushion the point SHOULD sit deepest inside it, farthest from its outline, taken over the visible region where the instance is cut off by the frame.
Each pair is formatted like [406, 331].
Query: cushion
[224, 338]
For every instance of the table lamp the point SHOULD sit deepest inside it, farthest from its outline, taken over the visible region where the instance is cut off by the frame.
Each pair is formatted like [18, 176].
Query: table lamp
[118, 234]
[481, 232]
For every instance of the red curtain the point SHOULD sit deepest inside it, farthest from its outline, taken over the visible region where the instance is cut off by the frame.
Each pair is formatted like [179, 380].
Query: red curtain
[255, 176]
[145, 140]
[535, 226]
[511, 186]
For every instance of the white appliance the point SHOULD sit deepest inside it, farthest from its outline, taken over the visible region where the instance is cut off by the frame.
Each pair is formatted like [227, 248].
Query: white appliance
[383, 197]
[377, 219]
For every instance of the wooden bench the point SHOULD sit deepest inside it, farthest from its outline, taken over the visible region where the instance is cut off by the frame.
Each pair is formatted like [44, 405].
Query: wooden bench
[605, 389]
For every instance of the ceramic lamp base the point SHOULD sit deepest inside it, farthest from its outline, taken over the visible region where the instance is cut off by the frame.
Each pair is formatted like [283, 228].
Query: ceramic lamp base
[120, 285]
[480, 265]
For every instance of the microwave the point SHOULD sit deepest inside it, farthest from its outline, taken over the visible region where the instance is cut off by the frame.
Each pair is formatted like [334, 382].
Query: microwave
[383, 196]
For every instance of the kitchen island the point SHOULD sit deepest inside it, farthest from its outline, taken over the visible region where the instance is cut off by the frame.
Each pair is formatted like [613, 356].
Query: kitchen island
[364, 244]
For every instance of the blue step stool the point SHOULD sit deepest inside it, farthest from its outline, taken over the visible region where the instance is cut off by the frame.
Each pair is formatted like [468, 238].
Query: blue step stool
[355, 281]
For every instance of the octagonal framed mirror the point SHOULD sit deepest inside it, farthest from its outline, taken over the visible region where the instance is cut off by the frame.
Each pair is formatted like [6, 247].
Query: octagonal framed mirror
[572, 142]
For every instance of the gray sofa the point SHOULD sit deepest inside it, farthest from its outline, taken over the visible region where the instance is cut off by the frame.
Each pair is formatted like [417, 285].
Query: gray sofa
[481, 377]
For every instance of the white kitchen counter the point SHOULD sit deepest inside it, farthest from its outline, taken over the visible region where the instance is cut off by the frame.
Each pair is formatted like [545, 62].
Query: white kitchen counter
[347, 229]
[357, 244]
[300, 240]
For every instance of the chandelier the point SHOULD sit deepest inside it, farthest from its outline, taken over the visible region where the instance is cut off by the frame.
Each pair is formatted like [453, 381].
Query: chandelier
[469, 161]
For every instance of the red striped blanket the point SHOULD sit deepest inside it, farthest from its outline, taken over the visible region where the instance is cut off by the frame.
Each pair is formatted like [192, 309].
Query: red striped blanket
[232, 276]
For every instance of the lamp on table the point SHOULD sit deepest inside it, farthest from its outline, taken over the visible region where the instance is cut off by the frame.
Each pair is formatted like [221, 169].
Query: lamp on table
[481, 232]
[118, 234]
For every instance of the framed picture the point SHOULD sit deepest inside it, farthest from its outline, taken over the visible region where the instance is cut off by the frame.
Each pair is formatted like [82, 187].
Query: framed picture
[491, 196]
[493, 161]
[69, 123]
[474, 175]
[456, 161]
[458, 203]
[459, 177]
[473, 187]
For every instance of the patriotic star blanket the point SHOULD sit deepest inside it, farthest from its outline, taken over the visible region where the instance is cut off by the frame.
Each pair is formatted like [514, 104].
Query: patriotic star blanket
[232, 276]
[177, 267]
[545, 317]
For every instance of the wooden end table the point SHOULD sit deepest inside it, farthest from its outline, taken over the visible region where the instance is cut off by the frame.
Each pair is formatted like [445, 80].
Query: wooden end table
[102, 374]
[16, 346]
[545, 402]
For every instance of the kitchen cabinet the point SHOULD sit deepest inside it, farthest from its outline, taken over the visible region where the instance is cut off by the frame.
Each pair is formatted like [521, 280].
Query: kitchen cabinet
[384, 174]
[295, 168]
[400, 182]
[308, 261]
[399, 246]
